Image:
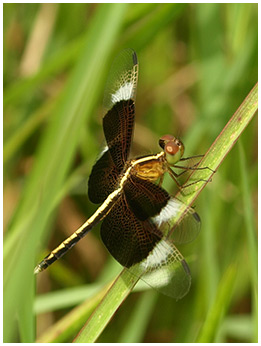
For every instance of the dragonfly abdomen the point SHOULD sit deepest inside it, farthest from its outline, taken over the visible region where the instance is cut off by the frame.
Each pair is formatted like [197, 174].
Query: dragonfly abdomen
[68, 243]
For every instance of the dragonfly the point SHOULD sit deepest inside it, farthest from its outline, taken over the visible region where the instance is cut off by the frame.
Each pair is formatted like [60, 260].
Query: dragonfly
[140, 223]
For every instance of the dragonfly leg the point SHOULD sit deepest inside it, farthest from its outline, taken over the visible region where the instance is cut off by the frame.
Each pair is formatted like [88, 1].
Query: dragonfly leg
[174, 176]
[191, 157]
[195, 182]
[179, 174]
[161, 180]
[193, 168]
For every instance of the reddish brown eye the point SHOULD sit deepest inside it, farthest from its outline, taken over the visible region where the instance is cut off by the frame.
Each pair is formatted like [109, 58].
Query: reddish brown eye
[171, 145]
[171, 148]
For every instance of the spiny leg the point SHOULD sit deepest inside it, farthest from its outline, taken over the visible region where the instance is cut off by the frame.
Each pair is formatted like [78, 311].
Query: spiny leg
[191, 157]
[161, 180]
[192, 168]
[175, 175]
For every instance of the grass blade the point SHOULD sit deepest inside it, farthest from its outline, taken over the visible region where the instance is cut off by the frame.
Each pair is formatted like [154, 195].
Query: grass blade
[252, 239]
[219, 307]
[118, 292]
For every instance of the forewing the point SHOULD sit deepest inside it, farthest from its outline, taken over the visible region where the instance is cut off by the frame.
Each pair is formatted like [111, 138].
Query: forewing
[103, 178]
[122, 80]
[118, 126]
[119, 106]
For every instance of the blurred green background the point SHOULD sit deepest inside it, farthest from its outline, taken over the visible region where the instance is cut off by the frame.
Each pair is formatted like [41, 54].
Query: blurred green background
[197, 64]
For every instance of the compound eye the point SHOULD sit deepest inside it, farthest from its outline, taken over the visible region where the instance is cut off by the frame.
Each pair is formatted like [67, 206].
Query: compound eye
[171, 148]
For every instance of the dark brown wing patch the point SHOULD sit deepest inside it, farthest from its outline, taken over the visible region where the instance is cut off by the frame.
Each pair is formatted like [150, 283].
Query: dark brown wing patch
[128, 239]
[103, 178]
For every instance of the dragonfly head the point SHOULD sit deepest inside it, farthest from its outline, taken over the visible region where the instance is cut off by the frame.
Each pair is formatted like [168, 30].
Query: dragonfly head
[173, 148]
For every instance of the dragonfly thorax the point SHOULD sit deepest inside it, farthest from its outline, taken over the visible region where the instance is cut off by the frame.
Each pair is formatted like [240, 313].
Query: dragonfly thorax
[150, 168]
